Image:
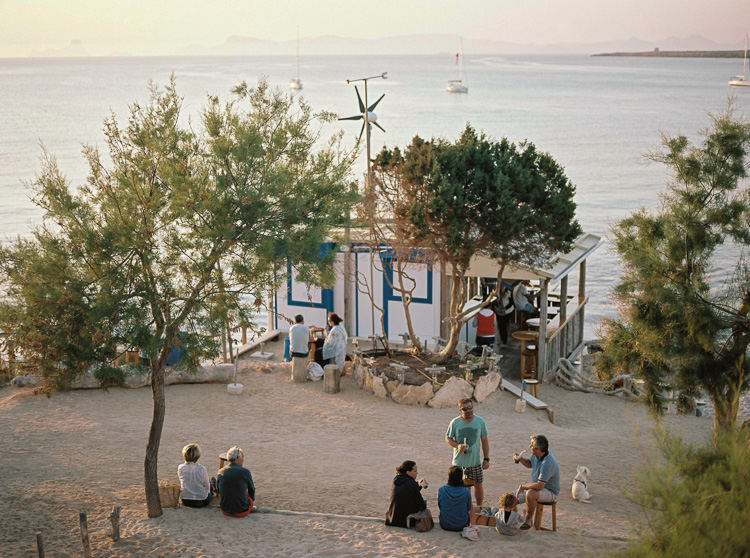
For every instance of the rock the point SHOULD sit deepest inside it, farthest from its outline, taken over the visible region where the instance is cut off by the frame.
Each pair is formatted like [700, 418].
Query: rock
[213, 373]
[359, 374]
[487, 385]
[404, 395]
[378, 388]
[367, 385]
[451, 393]
[424, 393]
[26, 380]
[391, 385]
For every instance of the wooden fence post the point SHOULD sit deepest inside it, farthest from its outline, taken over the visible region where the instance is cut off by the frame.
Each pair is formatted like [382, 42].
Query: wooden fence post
[114, 517]
[39, 544]
[84, 534]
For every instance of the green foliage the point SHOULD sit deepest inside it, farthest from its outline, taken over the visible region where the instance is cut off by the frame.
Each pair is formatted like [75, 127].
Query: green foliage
[109, 376]
[176, 230]
[477, 196]
[673, 329]
[695, 501]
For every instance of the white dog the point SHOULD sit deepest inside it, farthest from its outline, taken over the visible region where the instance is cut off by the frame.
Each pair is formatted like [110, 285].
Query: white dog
[579, 489]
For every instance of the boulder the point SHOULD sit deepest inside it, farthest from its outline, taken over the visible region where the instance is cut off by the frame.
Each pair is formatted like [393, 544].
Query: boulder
[404, 395]
[391, 385]
[378, 388]
[359, 374]
[367, 384]
[451, 393]
[487, 385]
[424, 393]
[27, 380]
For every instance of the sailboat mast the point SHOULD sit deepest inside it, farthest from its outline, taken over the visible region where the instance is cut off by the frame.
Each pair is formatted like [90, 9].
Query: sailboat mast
[298, 52]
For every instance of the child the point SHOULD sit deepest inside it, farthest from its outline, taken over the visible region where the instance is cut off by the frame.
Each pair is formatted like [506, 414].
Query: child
[508, 519]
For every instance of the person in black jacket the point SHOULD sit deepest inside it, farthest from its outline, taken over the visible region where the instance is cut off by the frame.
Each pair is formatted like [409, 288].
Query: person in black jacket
[406, 497]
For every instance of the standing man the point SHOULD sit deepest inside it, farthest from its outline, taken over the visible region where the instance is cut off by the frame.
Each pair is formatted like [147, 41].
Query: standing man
[545, 478]
[299, 335]
[235, 484]
[464, 435]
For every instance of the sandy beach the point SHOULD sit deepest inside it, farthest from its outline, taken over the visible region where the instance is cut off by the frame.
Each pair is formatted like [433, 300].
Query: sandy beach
[309, 452]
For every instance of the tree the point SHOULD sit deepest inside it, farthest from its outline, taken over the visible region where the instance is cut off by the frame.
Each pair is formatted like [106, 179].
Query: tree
[181, 230]
[673, 328]
[476, 196]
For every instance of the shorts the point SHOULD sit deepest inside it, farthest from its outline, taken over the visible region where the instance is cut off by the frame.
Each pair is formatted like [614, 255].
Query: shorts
[545, 497]
[475, 473]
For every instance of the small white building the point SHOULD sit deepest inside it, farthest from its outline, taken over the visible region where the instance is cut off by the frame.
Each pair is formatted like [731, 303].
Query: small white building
[430, 302]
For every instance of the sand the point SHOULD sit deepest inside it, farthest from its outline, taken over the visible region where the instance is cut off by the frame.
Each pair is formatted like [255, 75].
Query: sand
[309, 452]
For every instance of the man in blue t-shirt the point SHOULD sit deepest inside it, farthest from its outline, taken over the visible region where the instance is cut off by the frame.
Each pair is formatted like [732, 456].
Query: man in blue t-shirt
[464, 435]
[545, 478]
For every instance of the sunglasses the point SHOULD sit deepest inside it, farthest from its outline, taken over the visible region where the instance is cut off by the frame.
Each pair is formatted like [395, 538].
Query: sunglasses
[467, 408]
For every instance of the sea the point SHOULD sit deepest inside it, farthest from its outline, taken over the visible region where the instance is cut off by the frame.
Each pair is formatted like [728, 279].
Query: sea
[597, 116]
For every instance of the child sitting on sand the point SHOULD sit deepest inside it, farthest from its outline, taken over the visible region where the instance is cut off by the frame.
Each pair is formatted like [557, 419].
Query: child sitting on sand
[508, 519]
[195, 487]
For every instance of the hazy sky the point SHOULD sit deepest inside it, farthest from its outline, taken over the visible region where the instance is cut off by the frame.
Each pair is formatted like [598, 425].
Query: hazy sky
[163, 26]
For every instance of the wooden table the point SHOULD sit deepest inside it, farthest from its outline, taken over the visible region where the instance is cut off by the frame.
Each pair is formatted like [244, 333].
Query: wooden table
[523, 336]
[314, 331]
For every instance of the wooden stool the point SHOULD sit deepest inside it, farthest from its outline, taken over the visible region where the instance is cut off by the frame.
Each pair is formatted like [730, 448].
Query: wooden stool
[530, 365]
[531, 385]
[468, 483]
[331, 378]
[222, 460]
[538, 518]
[299, 370]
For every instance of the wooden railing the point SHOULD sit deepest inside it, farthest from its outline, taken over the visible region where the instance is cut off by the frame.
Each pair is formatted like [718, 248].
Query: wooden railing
[563, 338]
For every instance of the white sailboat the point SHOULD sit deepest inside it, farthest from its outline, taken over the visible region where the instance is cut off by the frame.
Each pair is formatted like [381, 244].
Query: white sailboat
[739, 80]
[296, 82]
[461, 84]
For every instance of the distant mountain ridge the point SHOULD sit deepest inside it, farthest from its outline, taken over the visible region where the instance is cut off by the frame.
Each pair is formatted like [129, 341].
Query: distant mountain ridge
[438, 44]
[424, 44]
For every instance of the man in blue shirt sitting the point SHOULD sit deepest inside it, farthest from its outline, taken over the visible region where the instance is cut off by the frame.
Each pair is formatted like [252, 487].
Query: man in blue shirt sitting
[545, 478]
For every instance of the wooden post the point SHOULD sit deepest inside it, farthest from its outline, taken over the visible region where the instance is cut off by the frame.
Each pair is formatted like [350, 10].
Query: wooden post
[84, 534]
[243, 339]
[563, 299]
[299, 370]
[331, 378]
[114, 517]
[39, 544]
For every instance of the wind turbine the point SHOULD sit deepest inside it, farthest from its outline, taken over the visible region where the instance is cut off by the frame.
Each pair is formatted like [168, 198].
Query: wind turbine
[367, 116]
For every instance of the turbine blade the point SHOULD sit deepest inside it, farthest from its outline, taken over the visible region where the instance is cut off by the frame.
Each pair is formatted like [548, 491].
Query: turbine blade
[372, 106]
[352, 118]
[378, 125]
[361, 104]
[361, 131]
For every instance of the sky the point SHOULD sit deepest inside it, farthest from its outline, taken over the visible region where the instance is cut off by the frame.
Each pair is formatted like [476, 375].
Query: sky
[157, 27]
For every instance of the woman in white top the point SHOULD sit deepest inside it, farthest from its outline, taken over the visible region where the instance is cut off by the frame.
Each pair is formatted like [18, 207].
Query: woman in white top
[333, 350]
[195, 486]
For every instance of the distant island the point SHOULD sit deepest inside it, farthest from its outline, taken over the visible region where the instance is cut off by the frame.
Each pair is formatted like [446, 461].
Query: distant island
[656, 53]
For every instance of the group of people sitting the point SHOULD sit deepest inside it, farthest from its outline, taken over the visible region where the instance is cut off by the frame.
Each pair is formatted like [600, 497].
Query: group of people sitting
[233, 483]
[331, 350]
[455, 501]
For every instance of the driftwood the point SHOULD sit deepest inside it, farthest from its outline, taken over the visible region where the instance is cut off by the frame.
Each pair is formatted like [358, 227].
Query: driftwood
[331, 378]
[84, 534]
[569, 378]
[114, 517]
[39, 544]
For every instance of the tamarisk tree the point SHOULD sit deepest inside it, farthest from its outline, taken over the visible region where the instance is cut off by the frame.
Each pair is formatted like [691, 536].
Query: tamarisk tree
[675, 329]
[172, 228]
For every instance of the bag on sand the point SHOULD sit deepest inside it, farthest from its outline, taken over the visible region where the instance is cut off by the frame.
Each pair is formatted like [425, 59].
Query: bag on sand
[315, 371]
[471, 532]
[169, 493]
[424, 521]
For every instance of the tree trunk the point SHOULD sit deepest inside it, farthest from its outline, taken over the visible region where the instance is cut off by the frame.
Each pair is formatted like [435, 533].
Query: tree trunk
[407, 312]
[153, 502]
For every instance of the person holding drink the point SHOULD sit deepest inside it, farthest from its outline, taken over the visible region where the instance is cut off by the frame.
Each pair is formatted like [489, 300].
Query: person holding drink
[545, 478]
[465, 434]
[406, 496]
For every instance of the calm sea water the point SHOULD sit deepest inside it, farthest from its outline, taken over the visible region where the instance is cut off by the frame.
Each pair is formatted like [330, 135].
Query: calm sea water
[597, 116]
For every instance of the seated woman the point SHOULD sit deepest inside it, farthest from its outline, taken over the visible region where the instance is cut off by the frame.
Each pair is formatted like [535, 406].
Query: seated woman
[406, 497]
[454, 501]
[195, 487]
[333, 350]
